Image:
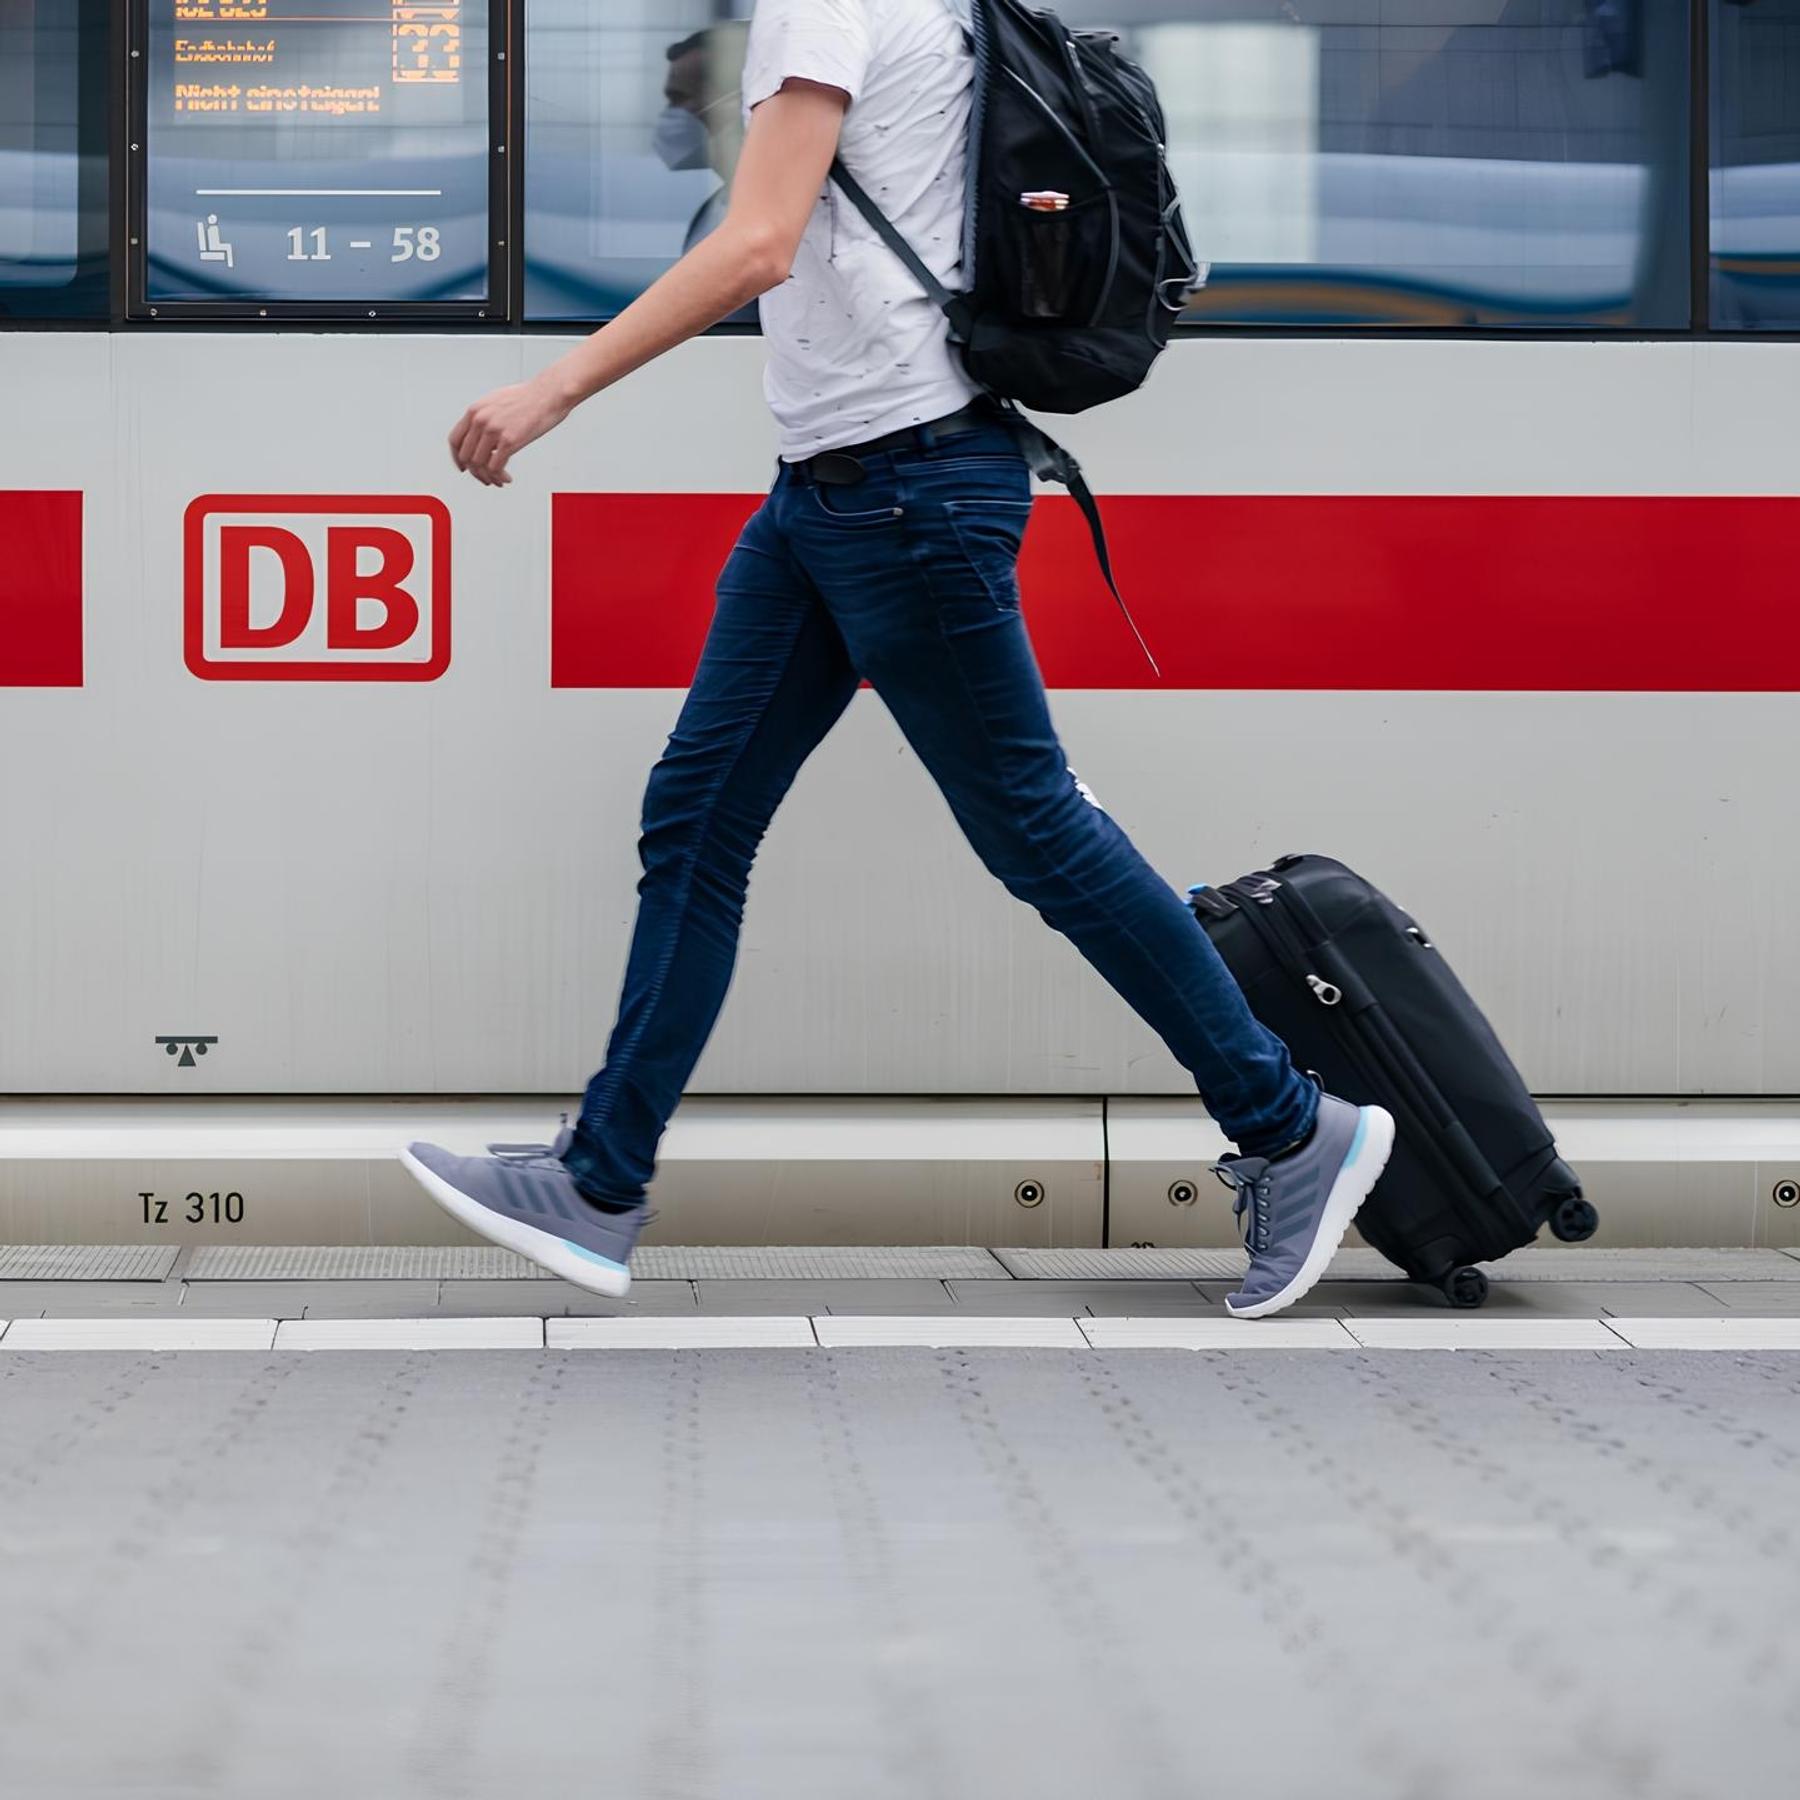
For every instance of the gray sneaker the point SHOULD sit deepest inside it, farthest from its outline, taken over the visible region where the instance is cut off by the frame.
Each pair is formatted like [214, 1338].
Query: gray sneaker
[525, 1200]
[1294, 1212]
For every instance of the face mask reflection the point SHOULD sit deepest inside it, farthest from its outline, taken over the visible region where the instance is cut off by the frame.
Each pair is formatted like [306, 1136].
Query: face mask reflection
[680, 139]
[683, 137]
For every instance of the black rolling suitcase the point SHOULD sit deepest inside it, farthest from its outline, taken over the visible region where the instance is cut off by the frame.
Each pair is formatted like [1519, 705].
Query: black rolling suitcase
[1364, 1000]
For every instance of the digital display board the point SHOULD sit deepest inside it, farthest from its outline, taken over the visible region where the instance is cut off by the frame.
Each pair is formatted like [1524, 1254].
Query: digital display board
[324, 152]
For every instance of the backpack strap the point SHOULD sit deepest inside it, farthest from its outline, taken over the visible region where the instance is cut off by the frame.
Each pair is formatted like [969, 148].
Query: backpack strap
[955, 307]
[1049, 460]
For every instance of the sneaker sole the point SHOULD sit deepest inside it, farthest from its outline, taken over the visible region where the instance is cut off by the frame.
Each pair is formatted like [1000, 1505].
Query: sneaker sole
[569, 1262]
[1369, 1153]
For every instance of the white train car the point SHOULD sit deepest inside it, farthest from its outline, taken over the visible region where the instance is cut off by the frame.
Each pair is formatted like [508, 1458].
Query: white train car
[320, 769]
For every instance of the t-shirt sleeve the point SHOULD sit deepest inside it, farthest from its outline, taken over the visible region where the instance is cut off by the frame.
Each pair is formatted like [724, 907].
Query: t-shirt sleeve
[827, 41]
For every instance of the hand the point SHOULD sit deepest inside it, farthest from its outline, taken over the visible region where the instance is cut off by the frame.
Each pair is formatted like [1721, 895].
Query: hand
[494, 430]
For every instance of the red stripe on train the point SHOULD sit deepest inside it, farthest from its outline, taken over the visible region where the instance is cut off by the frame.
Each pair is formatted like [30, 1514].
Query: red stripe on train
[40, 589]
[1684, 594]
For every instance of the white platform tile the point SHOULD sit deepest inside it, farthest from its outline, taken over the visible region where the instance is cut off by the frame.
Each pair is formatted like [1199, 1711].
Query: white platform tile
[410, 1334]
[1217, 1334]
[842, 1331]
[1731, 1333]
[139, 1332]
[1483, 1334]
[770, 1331]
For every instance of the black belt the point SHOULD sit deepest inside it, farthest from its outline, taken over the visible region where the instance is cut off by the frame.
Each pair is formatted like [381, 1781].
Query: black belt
[844, 468]
[1048, 459]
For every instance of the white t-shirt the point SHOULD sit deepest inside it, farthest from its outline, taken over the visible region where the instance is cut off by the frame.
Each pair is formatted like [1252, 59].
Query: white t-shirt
[856, 349]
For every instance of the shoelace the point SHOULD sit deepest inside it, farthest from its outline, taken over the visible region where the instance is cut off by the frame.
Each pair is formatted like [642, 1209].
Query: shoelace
[544, 1156]
[527, 1156]
[1248, 1180]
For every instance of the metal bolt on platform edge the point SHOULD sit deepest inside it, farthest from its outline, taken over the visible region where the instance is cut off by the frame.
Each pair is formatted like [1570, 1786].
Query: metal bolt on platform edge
[1787, 1193]
[1029, 1193]
[1183, 1193]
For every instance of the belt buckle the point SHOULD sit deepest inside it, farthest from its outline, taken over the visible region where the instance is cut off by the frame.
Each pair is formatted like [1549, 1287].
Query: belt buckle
[835, 469]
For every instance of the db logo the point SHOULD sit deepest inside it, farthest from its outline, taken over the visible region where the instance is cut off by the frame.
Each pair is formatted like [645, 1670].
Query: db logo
[316, 587]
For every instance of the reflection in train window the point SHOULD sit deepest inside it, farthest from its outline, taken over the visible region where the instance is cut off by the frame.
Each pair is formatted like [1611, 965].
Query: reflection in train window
[633, 122]
[1485, 163]
[53, 158]
[1756, 164]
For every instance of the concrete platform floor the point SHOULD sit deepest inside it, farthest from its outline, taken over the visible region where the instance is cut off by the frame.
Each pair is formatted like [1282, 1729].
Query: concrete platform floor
[889, 1572]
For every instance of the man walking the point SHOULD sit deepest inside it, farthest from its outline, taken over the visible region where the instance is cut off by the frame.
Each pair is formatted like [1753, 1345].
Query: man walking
[887, 550]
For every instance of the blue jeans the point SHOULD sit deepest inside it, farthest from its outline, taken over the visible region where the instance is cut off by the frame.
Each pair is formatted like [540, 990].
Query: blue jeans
[907, 578]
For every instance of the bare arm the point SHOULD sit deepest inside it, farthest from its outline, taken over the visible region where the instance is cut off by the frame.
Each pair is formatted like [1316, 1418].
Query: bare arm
[787, 154]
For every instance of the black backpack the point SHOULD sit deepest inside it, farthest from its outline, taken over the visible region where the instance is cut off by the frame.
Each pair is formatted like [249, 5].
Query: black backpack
[1077, 258]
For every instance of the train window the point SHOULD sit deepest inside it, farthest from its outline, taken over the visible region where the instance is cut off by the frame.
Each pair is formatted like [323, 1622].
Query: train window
[632, 124]
[1483, 163]
[53, 179]
[1755, 180]
[1458, 163]
[330, 158]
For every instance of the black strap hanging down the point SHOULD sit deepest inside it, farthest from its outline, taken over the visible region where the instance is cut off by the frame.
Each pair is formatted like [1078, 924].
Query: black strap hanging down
[1051, 462]
[1048, 459]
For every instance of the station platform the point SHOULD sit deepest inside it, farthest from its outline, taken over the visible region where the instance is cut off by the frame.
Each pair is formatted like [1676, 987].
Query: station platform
[894, 1522]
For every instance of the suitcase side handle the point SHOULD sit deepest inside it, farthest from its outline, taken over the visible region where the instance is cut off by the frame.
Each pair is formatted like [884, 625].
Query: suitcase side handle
[1211, 901]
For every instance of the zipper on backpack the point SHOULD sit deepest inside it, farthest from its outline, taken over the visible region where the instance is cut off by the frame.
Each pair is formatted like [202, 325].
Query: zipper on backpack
[980, 52]
[1061, 126]
[1078, 75]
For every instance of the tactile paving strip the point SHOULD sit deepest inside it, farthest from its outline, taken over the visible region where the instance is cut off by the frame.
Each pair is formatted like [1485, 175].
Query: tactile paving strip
[755, 1262]
[1123, 1265]
[1172, 1265]
[358, 1262]
[98, 1262]
[1536, 1263]
[1558, 1262]
[655, 1262]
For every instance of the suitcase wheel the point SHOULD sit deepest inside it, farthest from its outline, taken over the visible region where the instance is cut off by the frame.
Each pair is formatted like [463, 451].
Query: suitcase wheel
[1575, 1220]
[1465, 1288]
